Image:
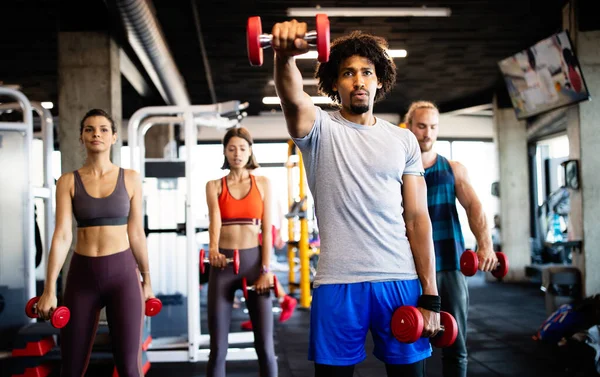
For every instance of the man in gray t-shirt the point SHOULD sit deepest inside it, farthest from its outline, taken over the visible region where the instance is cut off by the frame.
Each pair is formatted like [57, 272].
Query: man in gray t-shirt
[358, 197]
[366, 178]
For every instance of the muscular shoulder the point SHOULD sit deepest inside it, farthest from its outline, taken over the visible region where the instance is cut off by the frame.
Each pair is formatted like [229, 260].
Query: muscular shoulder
[459, 170]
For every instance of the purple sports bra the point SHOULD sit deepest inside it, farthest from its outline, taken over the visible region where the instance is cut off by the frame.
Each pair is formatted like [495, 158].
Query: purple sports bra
[91, 211]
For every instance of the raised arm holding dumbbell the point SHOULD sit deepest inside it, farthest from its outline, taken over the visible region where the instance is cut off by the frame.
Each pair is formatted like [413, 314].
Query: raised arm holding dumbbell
[367, 178]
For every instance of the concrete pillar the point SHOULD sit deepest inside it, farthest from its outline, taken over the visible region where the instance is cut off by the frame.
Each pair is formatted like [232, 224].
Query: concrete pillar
[156, 139]
[511, 140]
[88, 77]
[582, 129]
[588, 50]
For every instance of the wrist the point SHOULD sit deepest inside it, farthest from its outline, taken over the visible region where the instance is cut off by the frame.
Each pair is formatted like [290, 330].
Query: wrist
[50, 289]
[264, 269]
[430, 302]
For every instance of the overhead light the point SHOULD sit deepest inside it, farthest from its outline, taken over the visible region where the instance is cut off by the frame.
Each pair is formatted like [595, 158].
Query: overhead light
[370, 12]
[319, 100]
[47, 105]
[305, 82]
[391, 53]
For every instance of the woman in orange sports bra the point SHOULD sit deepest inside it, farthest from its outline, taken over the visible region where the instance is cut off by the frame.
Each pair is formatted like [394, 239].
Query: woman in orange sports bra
[239, 206]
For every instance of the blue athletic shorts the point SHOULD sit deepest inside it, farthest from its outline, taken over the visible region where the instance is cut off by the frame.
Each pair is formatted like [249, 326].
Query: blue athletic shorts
[341, 315]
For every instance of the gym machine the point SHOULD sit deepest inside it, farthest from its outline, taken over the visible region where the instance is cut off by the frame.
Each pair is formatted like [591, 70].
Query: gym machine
[17, 243]
[192, 345]
[298, 211]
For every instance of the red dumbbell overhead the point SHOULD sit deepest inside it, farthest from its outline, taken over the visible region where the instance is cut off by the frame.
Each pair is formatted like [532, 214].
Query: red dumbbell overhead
[235, 261]
[322, 37]
[59, 318]
[246, 287]
[407, 327]
[256, 41]
[469, 263]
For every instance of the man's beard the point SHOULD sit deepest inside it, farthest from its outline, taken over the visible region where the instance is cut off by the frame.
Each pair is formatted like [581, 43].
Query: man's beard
[359, 109]
[426, 147]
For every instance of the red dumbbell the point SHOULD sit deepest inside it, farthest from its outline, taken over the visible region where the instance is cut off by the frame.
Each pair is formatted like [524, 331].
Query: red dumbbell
[153, 307]
[59, 317]
[407, 327]
[256, 40]
[246, 287]
[235, 260]
[469, 263]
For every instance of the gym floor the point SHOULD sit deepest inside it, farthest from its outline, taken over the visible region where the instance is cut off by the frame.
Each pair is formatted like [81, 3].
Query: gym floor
[502, 319]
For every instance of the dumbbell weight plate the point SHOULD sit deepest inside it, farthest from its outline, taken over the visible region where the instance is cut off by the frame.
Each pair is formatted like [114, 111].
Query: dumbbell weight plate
[407, 324]
[502, 268]
[253, 32]
[153, 307]
[448, 336]
[60, 317]
[275, 286]
[202, 266]
[322, 37]
[245, 288]
[469, 263]
[29, 307]
[236, 258]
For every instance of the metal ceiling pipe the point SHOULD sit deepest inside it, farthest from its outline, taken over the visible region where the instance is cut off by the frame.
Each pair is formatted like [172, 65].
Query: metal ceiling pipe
[147, 40]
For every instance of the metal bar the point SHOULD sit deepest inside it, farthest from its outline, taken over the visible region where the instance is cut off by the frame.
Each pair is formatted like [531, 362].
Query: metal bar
[192, 254]
[48, 182]
[305, 294]
[290, 246]
[28, 226]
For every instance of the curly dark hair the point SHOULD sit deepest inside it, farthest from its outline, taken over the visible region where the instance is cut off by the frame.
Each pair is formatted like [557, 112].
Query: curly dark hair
[362, 44]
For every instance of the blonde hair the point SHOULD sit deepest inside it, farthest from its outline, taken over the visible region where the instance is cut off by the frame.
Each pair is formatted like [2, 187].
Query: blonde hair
[416, 106]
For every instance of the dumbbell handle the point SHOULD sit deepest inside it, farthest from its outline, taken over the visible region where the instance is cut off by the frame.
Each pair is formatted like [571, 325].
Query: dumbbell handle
[228, 260]
[34, 307]
[253, 287]
[266, 40]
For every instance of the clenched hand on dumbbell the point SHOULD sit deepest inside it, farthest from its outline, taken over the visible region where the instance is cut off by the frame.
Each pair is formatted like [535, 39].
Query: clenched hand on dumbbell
[469, 264]
[407, 326]
[256, 40]
[246, 287]
[235, 261]
[59, 316]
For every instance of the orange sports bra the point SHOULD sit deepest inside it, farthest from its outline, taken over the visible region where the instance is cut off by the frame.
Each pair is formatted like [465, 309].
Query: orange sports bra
[245, 211]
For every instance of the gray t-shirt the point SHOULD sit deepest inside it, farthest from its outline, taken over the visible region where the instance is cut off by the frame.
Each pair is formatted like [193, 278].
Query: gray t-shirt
[354, 173]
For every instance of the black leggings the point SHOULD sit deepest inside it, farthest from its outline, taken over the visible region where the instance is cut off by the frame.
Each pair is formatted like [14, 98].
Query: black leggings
[222, 285]
[112, 281]
[393, 370]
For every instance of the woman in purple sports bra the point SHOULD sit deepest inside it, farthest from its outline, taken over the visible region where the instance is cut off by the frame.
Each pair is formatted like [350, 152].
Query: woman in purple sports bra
[109, 266]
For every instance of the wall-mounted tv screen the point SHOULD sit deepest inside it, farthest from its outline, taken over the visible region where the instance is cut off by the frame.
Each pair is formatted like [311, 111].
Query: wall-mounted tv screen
[544, 77]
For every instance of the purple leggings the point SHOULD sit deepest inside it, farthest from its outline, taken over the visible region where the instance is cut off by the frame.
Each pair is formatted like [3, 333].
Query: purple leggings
[113, 282]
[221, 289]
